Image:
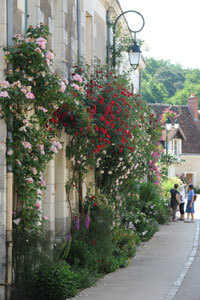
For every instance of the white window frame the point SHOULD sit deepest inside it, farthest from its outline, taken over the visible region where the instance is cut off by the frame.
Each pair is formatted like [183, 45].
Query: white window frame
[176, 152]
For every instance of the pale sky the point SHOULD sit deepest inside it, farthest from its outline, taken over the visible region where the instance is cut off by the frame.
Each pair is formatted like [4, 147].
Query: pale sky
[172, 29]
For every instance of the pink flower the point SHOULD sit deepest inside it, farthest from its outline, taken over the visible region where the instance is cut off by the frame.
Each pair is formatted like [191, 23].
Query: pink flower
[50, 55]
[38, 192]
[87, 222]
[75, 86]
[18, 162]
[34, 170]
[45, 218]
[30, 95]
[62, 86]
[24, 91]
[37, 204]
[4, 94]
[65, 81]
[54, 149]
[41, 42]
[38, 50]
[29, 180]
[27, 145]
[25, 121]
[47, 61]
[41, 148]
[10, 152]
[78, 78]
[42, 182]
[42, 108]
[5, 84]
[56, 144]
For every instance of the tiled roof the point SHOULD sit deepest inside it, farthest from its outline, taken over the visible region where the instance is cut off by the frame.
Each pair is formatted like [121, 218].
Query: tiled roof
[190, 128]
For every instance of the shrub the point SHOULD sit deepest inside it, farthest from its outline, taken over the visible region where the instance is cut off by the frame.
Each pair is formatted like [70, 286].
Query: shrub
[56, 281]
[29, 250]
[82, 255]
[126, 240]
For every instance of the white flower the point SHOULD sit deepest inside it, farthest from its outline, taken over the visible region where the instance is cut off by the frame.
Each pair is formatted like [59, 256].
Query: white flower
[109, 172]
[102, 171]
[144, 232]
[29, 180]
[17, 221]
[34, 170]
[10, 152]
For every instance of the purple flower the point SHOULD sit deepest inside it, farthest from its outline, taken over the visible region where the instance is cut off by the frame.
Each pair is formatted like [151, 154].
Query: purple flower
[87, 222]
[68, 237]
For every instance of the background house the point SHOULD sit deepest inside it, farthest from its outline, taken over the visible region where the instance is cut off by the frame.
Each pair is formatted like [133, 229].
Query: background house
[184, 143]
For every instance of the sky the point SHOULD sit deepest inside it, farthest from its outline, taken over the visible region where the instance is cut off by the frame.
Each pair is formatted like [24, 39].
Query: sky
[171, 31]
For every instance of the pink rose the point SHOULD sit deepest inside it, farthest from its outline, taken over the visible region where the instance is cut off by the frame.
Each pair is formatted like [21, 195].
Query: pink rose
[30, 95]
[78, 78]
[4, 94]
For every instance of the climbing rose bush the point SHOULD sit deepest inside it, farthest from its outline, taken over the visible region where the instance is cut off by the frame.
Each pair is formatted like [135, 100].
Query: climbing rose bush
[121, 136]
[110, 130]
[28, 98]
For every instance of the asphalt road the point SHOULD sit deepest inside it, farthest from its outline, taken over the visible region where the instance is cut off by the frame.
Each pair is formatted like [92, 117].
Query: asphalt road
[165, 268]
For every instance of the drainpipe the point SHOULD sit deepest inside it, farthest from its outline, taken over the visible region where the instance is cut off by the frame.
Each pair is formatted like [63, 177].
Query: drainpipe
[26, 15]
[79, 31]
[9, 175]
[108, 38]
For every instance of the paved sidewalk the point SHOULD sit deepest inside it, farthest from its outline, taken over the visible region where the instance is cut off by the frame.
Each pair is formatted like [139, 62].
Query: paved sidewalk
[154, 271]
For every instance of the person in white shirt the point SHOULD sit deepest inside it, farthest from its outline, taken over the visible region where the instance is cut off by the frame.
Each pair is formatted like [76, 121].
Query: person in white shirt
[182, 203]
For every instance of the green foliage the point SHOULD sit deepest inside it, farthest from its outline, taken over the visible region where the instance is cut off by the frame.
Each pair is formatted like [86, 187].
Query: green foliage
[168, 184]
[171, 77]
[126, 240]
[143, 209]
[29, 251]
[166, 82]
[196, 190]
[153, 204]
[56, 281]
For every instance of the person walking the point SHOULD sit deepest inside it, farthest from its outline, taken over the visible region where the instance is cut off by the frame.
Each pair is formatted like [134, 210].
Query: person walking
[182, 203]
[190, 204]
[174, 201]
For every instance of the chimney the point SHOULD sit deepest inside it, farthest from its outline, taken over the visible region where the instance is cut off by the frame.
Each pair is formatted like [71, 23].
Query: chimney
[193, 105]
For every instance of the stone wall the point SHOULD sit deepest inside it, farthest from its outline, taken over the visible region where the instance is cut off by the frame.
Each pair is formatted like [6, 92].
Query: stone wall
[61, 17]
[2, 159]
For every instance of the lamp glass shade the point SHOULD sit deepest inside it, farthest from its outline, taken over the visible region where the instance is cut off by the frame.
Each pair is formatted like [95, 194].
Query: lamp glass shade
[134, 59]
[168, 124]
[134, 55]
[176, 124]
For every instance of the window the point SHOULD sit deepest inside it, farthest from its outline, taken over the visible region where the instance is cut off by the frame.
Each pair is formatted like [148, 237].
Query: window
[89, 36]
[176, 147]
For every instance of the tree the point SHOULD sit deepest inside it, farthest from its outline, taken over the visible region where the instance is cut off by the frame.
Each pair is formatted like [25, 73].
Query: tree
[165, 82]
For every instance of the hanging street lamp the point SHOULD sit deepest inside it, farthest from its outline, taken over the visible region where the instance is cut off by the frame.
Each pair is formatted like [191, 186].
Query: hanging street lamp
[134, 50]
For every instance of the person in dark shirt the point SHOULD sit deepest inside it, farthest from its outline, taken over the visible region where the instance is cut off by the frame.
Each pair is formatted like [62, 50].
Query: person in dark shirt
[174, 201]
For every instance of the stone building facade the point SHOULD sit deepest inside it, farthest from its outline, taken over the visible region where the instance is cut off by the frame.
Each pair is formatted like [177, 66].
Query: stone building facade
[78, 28]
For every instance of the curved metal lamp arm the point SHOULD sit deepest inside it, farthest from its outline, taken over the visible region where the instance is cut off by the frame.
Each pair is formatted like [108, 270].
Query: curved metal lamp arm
[134, 31]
